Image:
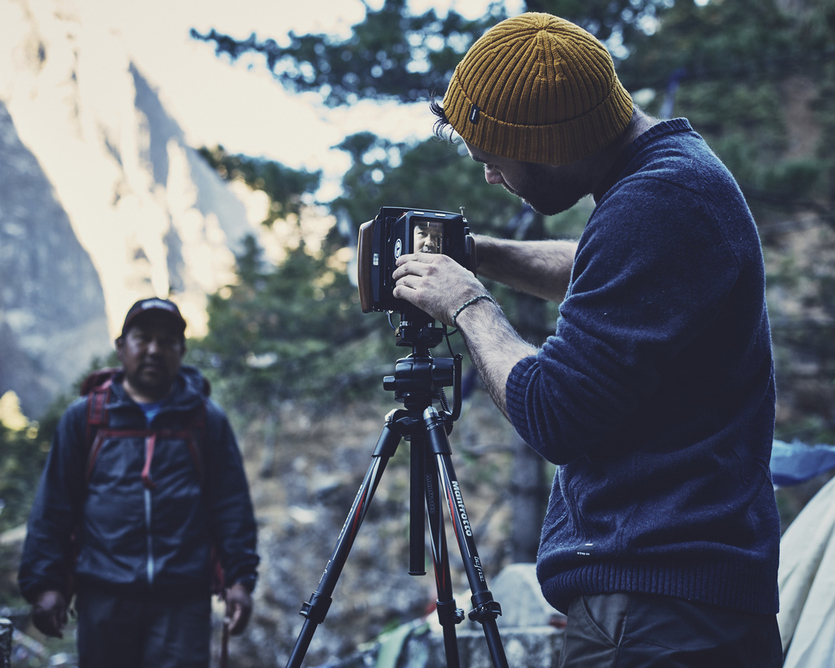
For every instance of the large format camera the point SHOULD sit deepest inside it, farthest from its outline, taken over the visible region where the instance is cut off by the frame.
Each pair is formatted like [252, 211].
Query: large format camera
[398, 231]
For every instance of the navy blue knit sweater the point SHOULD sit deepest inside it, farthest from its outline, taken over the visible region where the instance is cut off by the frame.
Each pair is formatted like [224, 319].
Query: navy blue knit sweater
[656, 393]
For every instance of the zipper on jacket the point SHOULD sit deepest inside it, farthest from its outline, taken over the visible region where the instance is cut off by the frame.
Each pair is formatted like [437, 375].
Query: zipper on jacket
[150, 562]
[150, 443]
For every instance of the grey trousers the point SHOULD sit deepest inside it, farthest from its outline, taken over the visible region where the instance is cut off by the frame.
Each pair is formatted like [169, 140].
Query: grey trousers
[642, 631]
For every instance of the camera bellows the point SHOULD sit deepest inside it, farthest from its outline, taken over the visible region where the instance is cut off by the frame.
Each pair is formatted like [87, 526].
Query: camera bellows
[537, 88]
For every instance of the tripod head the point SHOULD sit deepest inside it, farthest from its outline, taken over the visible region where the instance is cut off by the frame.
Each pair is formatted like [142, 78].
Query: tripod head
[416, 329]
[420, 379]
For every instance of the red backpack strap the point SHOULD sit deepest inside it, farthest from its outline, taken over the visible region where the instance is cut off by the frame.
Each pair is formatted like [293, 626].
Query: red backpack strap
[97, 389]
[96, 418]
[97, 408]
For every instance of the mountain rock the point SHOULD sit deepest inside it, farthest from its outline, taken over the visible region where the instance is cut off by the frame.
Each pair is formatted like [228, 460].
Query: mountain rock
[50, 294]
[102, 202]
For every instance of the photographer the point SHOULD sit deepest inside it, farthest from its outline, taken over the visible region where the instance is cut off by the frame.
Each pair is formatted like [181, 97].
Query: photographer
[655, 396]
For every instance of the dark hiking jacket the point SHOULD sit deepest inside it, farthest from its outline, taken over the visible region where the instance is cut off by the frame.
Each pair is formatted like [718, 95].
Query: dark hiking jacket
[136, 536]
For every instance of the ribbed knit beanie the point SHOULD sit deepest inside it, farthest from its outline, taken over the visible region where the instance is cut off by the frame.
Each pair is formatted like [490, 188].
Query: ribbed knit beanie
[537, 88]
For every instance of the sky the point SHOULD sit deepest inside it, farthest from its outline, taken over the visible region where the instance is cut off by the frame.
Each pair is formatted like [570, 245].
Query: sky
[240, 105]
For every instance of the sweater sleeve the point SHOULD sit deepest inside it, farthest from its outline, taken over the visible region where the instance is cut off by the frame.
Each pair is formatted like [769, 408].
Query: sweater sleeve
[46, 560]
[651, 271]
[234, 528]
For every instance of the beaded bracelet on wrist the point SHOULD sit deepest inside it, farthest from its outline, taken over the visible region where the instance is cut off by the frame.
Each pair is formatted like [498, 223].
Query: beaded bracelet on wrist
[470, 302]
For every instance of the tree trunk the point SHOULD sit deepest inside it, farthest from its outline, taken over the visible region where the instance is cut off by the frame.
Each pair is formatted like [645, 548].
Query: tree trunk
[529, 488]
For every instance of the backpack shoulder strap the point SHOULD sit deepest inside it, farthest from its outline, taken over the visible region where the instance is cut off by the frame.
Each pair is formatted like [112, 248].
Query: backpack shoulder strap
[98, 394]
[97, 401]
[97, 409]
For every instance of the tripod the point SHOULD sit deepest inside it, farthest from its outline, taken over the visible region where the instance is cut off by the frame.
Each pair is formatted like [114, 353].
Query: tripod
[418, 380]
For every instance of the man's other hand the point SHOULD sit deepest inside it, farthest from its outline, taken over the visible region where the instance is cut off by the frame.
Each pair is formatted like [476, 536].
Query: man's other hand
[238, 608]
[49, 613]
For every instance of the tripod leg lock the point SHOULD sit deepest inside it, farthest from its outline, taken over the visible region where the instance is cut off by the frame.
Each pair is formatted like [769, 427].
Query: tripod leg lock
[484, 608]
[448, 613]
[316, 608]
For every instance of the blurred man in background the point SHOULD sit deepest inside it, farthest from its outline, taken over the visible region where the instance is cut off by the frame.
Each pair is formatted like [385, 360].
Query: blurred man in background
[143, 496]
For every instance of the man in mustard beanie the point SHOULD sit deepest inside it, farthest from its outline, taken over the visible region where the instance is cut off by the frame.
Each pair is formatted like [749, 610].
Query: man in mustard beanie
[655, 395]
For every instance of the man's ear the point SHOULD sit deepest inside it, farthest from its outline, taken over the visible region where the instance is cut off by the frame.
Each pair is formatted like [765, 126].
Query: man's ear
[120, 347]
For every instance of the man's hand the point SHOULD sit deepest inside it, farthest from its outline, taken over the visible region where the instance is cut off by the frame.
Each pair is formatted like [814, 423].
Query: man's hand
[439, 286]
[49, 613]
[436, 284]
[238, 608]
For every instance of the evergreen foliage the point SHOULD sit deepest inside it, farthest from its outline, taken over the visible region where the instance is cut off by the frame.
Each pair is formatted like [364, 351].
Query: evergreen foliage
[390, 55]
[24, 453]
[431, 175]
[287, 333]
[756, 78]
[284, 186]
[396, 55]
[734, 86]
[24, 445]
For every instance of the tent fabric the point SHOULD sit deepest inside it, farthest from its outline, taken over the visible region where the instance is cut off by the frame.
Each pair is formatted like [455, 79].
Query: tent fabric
[807, 584]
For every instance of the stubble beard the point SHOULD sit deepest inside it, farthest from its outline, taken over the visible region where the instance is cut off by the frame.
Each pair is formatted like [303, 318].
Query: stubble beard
[548, 191]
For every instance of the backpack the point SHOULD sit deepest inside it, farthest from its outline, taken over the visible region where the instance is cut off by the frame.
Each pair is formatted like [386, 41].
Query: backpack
[96, 387]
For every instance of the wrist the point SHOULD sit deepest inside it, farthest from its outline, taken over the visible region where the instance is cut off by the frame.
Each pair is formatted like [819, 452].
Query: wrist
[247, 583]
[470, 302]
[483, 249]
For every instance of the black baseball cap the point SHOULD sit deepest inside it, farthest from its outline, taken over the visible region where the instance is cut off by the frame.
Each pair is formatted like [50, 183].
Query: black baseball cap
[156, 306]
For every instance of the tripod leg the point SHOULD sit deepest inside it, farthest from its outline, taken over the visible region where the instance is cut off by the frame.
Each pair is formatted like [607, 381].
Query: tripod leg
[485, 609]
[417, 512]
[448, 612]
[315, 609]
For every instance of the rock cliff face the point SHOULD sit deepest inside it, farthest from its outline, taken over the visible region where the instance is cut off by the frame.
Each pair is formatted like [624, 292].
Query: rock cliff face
[50, 293]
[102, 202]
